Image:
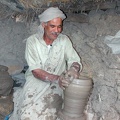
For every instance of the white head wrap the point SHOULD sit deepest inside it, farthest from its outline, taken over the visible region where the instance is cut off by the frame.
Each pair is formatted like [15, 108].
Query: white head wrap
[49, 14]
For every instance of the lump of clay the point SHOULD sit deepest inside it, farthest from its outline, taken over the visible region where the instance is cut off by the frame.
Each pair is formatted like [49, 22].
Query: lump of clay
[6, 81]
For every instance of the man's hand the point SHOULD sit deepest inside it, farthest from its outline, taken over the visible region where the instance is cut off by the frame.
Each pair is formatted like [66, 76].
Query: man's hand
[71, 74]
[62, 81]
[66, 78]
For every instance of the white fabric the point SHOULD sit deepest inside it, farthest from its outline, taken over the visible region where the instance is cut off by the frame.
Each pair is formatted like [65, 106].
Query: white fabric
[51, 13]
[113, 42]
[35, 100]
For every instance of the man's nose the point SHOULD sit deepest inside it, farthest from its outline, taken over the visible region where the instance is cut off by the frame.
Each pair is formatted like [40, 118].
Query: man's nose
[56, 29]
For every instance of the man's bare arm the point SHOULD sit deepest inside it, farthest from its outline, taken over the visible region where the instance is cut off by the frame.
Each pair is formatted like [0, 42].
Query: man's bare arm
[45, 76]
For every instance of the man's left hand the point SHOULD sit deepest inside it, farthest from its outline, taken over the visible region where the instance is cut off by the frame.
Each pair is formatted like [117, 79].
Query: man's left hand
[72, 74]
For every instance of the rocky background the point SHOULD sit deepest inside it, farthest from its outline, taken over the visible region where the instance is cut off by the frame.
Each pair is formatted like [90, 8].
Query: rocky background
[87, 28]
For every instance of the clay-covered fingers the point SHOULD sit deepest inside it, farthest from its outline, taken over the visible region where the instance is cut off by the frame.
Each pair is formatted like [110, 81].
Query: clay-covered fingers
[63, 82]
[71, 74]
[60, 84]
[67, 77]
[76, 75]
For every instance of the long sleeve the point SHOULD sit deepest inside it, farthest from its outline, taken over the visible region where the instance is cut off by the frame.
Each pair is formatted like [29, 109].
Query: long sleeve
[71, 55]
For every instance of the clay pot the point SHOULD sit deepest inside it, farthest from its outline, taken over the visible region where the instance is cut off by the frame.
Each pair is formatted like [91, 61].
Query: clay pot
[6, 81]
[75, 99]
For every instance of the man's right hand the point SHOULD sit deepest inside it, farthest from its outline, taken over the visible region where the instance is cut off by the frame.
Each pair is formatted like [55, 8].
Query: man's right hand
[63, 82]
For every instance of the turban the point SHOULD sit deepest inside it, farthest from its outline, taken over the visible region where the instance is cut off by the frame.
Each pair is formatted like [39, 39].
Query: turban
[51, 13]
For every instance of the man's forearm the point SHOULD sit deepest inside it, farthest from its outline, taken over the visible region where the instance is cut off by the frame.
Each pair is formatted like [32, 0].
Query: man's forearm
[45, 76]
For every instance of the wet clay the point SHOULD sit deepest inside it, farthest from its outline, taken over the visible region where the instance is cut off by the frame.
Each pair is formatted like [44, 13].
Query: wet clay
[75, 99]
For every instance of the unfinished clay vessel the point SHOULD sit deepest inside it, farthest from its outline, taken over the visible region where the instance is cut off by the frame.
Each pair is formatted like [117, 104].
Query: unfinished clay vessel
[6, 82]
[75, 99]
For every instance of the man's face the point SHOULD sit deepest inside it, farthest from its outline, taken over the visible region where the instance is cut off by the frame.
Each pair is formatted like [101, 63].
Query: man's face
[52, 29]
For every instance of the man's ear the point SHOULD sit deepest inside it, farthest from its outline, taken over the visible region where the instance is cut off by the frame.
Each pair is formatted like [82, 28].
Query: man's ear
[43, 25]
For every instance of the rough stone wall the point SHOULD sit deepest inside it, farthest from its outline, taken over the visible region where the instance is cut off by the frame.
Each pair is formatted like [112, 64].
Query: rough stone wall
[12, 44]
[34, 7]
